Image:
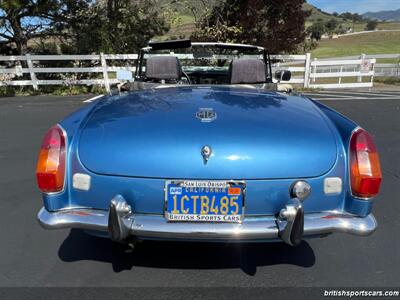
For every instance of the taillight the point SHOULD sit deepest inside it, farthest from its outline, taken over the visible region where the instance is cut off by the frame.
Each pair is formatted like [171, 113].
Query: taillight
[365, 169]
[50, 170]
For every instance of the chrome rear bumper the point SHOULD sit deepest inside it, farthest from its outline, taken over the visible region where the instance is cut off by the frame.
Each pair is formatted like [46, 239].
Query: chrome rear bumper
[146, 226]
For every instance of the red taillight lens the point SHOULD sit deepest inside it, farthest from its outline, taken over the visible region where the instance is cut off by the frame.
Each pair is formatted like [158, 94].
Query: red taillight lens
[365, 169]
[50, 170]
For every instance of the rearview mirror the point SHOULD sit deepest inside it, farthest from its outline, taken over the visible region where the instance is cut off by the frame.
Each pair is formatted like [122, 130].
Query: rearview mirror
[124, 75]
[283, 75]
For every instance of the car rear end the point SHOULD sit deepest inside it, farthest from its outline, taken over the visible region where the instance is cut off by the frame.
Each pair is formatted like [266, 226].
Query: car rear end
[85, 186]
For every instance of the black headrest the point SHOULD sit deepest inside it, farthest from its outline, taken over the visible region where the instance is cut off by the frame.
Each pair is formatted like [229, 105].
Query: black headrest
[247, 71]
[163, 67]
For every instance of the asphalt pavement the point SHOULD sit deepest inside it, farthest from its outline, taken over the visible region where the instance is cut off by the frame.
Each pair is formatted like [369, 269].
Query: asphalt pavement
[31, 256]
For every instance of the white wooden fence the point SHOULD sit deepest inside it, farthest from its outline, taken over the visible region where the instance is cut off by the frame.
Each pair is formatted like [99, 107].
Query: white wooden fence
[316, 75]
[310, 73]
[381, 69]
[100, 60]
[295, 64]
[366, 69]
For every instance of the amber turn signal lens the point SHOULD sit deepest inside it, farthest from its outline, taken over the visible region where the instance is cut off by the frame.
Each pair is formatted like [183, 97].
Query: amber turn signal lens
[365, 169]
[50, 170]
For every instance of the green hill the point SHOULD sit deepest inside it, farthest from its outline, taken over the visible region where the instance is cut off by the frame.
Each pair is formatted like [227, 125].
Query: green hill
[317, 14]
[384, 15]
[368, 43]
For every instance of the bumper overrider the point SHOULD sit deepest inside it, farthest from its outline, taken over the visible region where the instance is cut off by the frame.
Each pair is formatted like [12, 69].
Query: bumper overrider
[290, 225]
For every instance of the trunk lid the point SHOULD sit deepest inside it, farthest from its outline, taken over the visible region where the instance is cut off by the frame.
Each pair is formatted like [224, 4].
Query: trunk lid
[256, 135]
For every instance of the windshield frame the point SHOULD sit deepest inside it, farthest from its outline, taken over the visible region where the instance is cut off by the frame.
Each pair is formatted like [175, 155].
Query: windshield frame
[186, 44]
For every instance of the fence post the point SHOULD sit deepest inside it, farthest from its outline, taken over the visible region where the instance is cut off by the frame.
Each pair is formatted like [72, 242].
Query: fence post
[362, 57]
[314, 70]
[373, 73]
[105, 73]
[31, 71]
[307, 67]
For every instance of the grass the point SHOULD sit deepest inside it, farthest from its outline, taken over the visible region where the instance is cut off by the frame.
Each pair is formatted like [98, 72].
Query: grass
[388, 80]
[360, 26]
[368, 43]
[357, 26]
[389, 25]
[335, 80]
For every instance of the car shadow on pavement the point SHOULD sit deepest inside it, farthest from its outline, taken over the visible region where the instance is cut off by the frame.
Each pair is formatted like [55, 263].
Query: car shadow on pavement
[184, 255]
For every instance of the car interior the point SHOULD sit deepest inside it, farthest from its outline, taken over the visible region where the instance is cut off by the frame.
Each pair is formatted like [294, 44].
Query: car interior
[168, 69]
[184, 62]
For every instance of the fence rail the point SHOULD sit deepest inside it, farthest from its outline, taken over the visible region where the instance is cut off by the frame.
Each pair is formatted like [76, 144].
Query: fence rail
[101, 59]
[310, 73]
[366, 68]
[295, 64]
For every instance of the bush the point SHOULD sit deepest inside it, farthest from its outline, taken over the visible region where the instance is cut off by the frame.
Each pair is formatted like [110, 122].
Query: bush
[57, 90]
[11, 91]
[371, 25]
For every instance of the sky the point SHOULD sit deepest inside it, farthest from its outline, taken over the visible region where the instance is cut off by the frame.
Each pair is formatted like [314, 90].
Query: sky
[355, 6]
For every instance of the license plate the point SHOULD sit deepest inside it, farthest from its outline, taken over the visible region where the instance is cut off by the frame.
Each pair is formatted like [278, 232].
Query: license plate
[204, 201]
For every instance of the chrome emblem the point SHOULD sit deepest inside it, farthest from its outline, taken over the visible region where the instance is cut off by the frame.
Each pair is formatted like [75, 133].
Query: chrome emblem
[206, 152]
[206, 115]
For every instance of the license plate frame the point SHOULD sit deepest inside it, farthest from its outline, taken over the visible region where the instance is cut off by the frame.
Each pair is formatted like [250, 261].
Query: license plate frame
[205, 218]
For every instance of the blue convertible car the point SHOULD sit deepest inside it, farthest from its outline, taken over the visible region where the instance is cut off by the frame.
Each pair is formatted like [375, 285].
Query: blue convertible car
[201, 146]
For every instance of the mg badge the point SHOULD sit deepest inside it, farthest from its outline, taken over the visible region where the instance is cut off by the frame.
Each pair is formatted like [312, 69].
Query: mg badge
[206, 115]
[206, 153]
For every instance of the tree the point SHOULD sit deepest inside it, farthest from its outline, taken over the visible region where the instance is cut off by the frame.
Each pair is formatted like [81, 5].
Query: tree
[371, 25]
[346, 16]
[357, 18]
[331, 25]
[341, 29]
[22, 20]
[82, 26]
[352, 17]
[114, 26]
[276, 25]
[316, 30]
